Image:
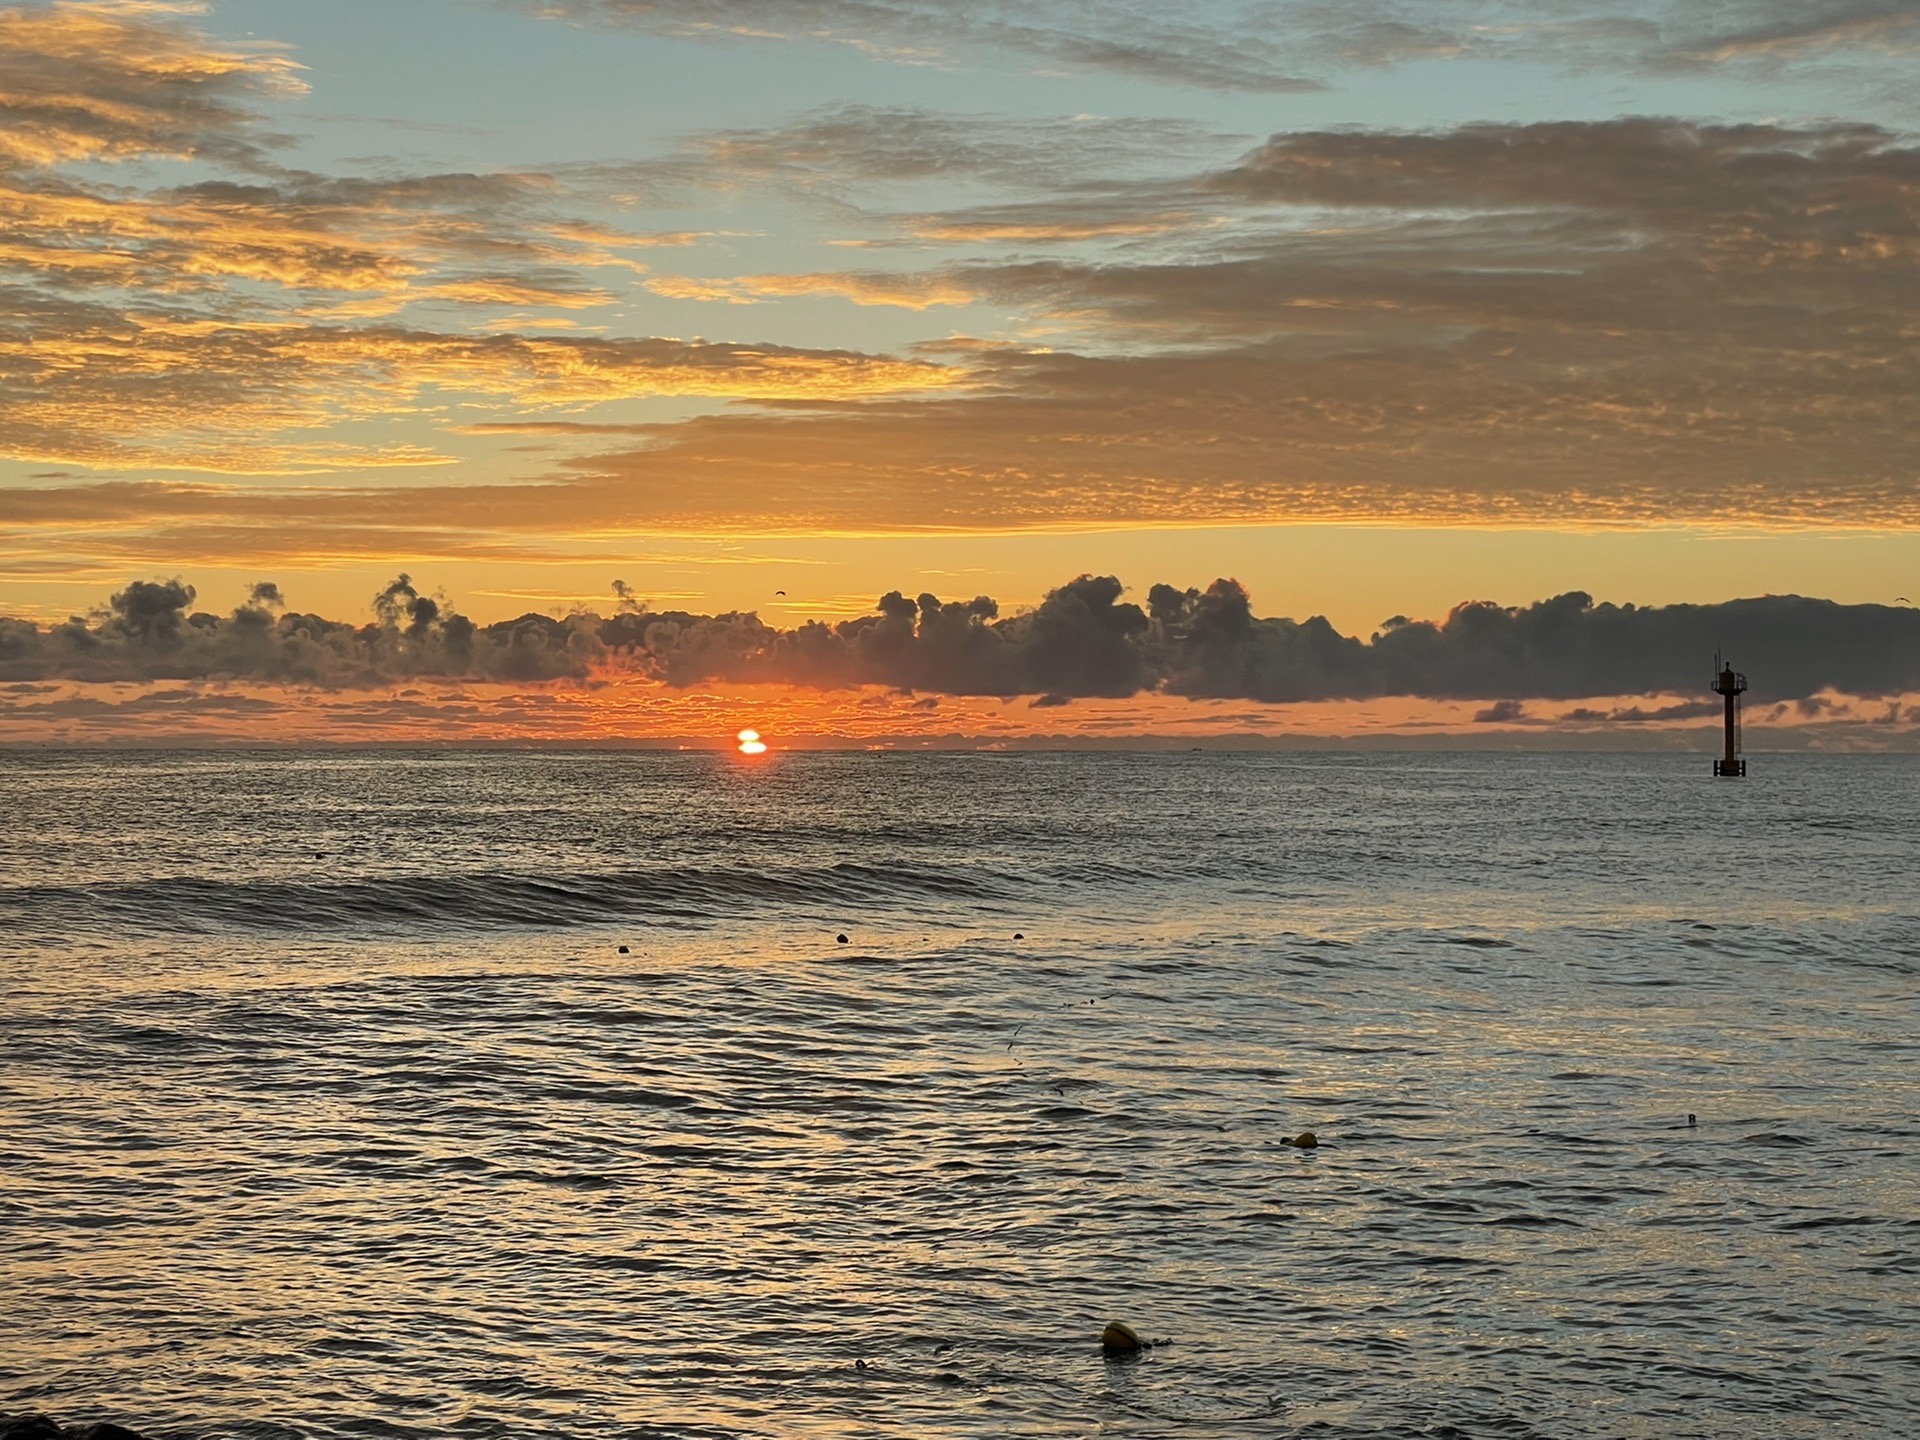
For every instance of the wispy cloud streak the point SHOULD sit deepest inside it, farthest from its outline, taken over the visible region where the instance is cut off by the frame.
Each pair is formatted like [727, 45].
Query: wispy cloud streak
[1279, 46]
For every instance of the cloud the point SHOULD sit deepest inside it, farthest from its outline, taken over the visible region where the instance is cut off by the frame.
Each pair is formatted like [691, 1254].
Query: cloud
[1600, 321]
[115, 81]
[1643, 35]
[1289, 45]
[1501, 712]
[103, 386]
[1777, 32]
[906, 292]
[1644, 714]
[1084, 641]
[241, 320]
[148, 632]
[839, 159]
[124, 82]
[1123, 36]
[1595, 323]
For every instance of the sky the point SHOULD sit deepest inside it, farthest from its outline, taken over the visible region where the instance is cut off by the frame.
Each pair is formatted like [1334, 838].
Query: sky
[591, 369]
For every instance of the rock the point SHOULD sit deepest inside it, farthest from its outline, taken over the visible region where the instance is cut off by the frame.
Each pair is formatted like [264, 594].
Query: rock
[1119, 1341]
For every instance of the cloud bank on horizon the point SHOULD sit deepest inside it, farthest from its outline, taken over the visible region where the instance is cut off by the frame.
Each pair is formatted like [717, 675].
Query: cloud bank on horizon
[1083, 641]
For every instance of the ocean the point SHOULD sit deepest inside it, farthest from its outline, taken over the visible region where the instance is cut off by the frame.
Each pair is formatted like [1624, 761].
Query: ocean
[372, 1093]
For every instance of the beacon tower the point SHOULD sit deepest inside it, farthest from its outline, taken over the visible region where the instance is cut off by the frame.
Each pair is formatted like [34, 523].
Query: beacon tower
[1730, 683]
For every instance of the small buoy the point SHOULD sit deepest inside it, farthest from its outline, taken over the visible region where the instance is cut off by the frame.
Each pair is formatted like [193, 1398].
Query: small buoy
[859, 1364]
[1118, 1339]
[1018, 936]
[840, 939]
[1690, 1119]
[1306, 1140]
[623, 949]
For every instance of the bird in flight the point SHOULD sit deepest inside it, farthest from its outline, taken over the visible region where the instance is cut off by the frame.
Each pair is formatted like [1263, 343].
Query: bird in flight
[779, 592]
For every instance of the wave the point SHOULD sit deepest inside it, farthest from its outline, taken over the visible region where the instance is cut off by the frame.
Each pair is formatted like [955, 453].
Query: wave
[192, 904]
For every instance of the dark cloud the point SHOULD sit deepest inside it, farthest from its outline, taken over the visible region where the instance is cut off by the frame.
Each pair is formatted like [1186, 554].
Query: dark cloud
[1501, 712]
[1645, 714]
[1083, 641]
[149, 632]
[1614, 320]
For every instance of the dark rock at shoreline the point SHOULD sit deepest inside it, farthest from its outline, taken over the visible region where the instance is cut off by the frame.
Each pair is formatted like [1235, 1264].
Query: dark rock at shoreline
[39, 1427]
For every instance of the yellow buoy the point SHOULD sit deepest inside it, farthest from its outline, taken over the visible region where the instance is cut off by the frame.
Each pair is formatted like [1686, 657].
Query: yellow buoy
[1118, 1339]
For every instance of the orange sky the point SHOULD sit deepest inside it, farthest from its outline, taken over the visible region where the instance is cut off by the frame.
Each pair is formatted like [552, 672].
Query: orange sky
[624, 710]
[780, 306]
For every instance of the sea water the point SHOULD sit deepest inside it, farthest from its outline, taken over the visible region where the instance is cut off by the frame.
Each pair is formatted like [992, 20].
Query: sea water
[521, 1094]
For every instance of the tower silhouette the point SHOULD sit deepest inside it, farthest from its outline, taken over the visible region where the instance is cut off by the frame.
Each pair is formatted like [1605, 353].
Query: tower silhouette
[1731, 684]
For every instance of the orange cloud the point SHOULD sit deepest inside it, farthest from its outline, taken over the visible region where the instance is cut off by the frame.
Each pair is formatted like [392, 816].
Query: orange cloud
[906, 292]
[117, 79]
[1593, 324]
[167, 390]
[148, 330]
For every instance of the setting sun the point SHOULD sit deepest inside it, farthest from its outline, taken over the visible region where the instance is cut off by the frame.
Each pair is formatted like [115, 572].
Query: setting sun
[751, 743]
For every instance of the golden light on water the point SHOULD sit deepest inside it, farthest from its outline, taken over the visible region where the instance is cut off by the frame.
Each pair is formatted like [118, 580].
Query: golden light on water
[751, 743]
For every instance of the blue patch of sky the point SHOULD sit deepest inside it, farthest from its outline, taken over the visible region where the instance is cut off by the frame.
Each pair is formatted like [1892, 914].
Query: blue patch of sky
[484, 85]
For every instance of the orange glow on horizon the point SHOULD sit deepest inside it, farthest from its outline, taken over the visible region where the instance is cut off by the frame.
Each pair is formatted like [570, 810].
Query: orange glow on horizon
[644, 713]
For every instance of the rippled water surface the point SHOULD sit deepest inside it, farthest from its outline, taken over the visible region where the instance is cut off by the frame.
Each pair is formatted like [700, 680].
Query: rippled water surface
[330, 1105]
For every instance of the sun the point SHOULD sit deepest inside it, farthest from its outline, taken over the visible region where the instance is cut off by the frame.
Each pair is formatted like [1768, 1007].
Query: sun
[751, 743]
